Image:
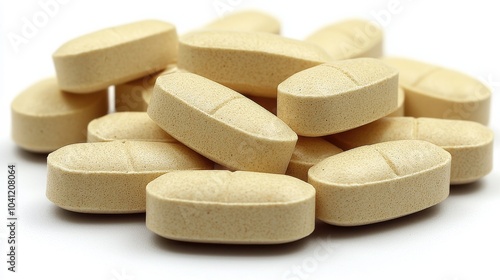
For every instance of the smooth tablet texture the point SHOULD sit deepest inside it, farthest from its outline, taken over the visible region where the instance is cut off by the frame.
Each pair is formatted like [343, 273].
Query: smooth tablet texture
[111, 177]
[380, 182]
[249, 20]
[253, 63]
[221, 124]
[436, 92]
[45, 118]
[135, 95]
[351, 38]
[307, 153]
[400, 110]
[115, 55]
[135, 126]
[469, 143]
[239, 207]
[338, 96]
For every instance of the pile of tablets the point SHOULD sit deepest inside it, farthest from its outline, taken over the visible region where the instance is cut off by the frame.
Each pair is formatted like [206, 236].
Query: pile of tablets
[235, 134]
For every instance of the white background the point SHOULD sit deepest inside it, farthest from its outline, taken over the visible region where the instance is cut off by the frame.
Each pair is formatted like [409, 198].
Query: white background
[458, 239]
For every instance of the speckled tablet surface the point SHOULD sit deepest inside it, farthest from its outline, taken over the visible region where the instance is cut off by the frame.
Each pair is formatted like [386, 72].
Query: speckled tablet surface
[45, 118]
[380, 182]
[309, 151]
[221, 206]
[338, 96]
[221, 124]
[132, 126]
[350, 38]
[253, 63]
[115, 55]
[436, 92]
[268, 103]
[400, 110]
[469, 143]
[134, 96]
[111, 177]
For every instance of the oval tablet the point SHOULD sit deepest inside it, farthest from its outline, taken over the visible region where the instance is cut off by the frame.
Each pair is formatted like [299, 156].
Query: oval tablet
[134, 96]
[249, 20]
[307, 153]
[45, 118]
[219, 206]
[380, 182]
[132, 126]
[469, 143]
[338, 96]
[111, 177]
[351, 38]
[436, 92]
[221, 124]
[115, 55]
[252, 63]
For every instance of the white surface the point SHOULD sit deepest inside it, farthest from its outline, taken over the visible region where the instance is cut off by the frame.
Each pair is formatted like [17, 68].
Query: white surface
[458, 239]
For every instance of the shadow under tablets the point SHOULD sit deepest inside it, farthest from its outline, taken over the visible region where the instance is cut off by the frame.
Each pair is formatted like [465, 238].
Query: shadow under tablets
[232, 250]
[327, 231]
[85, 218]
[30, 156]
[323, 233]
[467, 189]
[324, 230]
